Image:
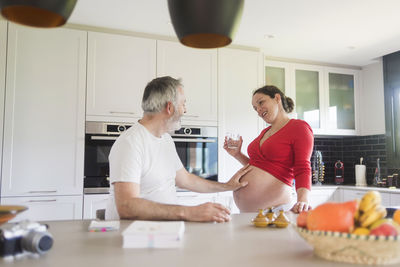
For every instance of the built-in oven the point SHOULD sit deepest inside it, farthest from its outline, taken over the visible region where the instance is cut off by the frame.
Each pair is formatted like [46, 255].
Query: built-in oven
[99, 139]
[197, 148]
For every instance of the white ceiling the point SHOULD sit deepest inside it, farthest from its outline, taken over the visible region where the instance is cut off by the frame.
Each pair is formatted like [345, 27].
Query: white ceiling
[346, 32]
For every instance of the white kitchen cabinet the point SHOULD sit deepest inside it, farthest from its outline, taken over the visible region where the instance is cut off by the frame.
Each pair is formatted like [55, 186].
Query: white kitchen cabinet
[240, 72]
[351, 194]
[371, 96]
[119, 68]
[92, 203]
[325, 97]
[198, 70]
[44, 121]
[3, 56]
[51, 208]
[395, 200]
[319, 196]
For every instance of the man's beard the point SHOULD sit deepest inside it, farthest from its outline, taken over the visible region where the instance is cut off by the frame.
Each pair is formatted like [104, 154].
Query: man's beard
[174, 123]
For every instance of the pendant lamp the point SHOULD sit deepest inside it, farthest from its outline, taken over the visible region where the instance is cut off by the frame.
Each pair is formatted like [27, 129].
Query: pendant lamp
[37, 13]
[205, 23]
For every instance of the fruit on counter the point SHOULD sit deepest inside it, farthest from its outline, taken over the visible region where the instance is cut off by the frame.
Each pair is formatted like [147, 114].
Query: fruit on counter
[385, 227]
[302, 219]
[331, 216]
[361, 231]
[370, 210]
[371, 216]
[396, 216]
[370, 200]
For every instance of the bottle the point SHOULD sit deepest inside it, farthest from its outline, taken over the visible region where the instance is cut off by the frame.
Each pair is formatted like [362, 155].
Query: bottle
[377, 176]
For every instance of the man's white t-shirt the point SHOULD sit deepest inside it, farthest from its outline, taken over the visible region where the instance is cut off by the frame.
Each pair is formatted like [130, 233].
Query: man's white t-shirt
[138, 156]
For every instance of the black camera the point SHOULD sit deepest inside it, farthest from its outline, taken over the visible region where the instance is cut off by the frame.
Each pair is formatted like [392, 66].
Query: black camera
[24, 237]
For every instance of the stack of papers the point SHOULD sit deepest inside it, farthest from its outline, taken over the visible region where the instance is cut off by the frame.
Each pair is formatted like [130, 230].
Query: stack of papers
[150, 234]
[103, 226]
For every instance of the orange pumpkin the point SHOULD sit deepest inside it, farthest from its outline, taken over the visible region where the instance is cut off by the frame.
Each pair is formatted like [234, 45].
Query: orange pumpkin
[337, 217]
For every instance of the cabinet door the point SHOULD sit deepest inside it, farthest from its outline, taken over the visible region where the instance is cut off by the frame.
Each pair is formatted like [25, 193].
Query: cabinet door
[320, 196]
[44, 112]
[3, 52]
[395, 200]
[240, 72]
[198, 70]
[55, 208]
[309, 96]
[349, 194]
[119, 67]
[341, 113]
[92, 203]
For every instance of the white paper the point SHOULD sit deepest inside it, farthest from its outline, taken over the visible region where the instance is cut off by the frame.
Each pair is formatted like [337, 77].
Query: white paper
[150, 234]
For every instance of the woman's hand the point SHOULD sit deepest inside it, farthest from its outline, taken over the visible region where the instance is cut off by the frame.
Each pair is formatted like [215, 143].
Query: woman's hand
[301, 206]
[233, 151]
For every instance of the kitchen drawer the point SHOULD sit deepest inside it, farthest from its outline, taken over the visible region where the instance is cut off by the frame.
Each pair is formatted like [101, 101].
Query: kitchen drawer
[92, 203]
[395, 200]
[47, 208]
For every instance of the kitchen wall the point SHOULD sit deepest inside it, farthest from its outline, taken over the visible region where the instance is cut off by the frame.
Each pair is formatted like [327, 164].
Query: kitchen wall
[349, 149]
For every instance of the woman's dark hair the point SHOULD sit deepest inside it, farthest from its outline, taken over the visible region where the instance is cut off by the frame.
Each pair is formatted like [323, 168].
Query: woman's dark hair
[271, 91]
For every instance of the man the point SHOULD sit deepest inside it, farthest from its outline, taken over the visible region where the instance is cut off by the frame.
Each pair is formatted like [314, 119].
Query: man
[145, 167]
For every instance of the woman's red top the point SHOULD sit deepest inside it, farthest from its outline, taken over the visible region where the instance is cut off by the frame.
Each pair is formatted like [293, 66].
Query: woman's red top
[286, 154]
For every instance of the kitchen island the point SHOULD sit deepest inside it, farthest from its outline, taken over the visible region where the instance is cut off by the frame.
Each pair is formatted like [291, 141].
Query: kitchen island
[236, 243]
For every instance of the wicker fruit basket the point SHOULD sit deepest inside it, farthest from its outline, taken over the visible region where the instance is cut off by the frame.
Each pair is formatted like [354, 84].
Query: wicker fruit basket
[343, 247]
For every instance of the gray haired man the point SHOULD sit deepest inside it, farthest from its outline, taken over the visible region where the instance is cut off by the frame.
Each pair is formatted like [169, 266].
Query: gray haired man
[145, 167]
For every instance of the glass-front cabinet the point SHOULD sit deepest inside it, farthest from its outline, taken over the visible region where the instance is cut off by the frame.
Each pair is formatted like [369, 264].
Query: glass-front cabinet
[341, 98]
[325, 97]
[308, 82]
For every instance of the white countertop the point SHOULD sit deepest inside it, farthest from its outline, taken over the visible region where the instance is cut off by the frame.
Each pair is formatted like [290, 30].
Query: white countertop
[236, 243]
[353, 187]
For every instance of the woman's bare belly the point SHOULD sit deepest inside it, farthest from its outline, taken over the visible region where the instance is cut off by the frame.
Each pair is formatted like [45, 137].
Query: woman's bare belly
[262, 191]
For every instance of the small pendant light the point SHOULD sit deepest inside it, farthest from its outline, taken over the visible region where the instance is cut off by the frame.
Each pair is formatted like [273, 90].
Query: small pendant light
[205, 23]
[37, 13]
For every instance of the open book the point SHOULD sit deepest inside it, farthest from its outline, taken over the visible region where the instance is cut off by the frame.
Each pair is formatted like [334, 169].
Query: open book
[151, 234]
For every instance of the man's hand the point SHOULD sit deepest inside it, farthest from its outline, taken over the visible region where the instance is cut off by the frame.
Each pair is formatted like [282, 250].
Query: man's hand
[234, 183]
[301, 206]
[207, 212]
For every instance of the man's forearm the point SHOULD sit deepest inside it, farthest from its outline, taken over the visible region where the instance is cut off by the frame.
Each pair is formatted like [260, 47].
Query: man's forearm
[201, 185]
[142, 209]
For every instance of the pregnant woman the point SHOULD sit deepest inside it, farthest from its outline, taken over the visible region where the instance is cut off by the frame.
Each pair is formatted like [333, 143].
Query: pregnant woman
[279, 155]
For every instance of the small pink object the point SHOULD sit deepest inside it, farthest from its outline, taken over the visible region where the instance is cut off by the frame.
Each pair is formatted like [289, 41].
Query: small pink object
[103, 229]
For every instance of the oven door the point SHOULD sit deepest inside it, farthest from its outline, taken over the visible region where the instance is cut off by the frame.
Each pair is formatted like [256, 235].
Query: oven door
[199, 155]
[97, 170]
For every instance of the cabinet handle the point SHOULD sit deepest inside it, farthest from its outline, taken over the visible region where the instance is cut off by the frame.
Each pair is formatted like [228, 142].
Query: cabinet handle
[43, 200]
[122, 112]
[188, 140]
[191, 116]
[393, 133]
[41, 192]
[95, 137]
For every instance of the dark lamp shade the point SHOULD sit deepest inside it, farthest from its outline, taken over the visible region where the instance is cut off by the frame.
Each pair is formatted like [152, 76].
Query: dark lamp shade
[37, 13]
[205, 23]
